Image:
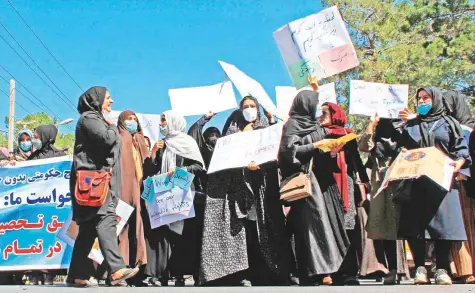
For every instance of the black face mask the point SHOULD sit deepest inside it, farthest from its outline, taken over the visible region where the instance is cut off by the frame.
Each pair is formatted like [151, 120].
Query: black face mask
[212, 140]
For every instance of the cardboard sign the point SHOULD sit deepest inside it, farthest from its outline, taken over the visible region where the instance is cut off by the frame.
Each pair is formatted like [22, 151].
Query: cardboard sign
[429, 162]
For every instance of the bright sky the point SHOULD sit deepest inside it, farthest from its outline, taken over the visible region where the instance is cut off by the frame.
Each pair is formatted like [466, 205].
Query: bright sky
[140, 49]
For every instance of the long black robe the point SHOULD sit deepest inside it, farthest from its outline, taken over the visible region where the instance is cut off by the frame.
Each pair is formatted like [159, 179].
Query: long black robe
[317, 221]
[168, 252]
[229, 244]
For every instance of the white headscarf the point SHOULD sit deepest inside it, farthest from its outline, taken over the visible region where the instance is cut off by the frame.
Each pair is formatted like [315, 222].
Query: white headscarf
[178, 142]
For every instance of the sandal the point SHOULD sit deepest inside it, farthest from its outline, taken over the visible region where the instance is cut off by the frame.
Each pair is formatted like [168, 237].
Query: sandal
[469, 280]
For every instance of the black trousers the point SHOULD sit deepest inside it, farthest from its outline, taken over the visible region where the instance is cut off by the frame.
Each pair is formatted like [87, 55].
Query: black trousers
[104, 227]
[442, 253]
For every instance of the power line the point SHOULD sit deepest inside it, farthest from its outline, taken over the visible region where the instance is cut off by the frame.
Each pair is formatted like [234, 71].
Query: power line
[39, 100]
[18, 104]
[38, 38]
[67, 102]
[31, 101]
[29, 56]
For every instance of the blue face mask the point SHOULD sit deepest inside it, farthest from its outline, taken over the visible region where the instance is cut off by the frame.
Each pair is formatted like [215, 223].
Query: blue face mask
[131, 126]
[423, 109]
[25, 146]
[37, 144]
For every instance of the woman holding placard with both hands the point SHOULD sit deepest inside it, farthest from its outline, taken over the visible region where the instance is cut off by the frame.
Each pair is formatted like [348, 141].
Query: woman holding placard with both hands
[173, 250]
[244, 229]
[422, 217]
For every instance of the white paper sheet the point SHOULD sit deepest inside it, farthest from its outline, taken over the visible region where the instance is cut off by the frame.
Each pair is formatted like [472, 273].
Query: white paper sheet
[239, 149]
[200, 100]
[123, 211]
[248, 86]
[369, 98]
[285, 96]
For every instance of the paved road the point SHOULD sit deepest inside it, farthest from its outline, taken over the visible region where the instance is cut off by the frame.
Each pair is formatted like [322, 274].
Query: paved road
[366, 287]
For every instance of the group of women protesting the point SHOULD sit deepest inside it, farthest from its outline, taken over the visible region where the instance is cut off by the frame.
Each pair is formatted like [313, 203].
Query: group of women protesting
[242, 233]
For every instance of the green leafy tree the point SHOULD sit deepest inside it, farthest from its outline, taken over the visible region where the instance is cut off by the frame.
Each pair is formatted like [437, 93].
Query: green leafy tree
[419, 42]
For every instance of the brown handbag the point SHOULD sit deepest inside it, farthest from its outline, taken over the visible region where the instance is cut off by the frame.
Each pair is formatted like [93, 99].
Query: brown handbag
[92, 187]
[297, 186]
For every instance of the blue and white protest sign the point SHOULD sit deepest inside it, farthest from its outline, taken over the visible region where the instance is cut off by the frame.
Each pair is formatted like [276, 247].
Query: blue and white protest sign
[182, 178]
[162, 183]
[35, 203]
[171, 206]
[148, 190]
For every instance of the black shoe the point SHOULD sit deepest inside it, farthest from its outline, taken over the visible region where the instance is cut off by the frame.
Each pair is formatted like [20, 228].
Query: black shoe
[180, 282]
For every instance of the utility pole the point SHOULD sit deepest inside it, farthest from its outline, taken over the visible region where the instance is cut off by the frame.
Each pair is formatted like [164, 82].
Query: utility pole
[11, 116]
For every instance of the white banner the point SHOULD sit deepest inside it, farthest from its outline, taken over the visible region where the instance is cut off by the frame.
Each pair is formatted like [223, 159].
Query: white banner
[200, 100]
[248, 86]
[285, 96]
[150, 124]
[318, 44]
[239, 149]
[369, 98]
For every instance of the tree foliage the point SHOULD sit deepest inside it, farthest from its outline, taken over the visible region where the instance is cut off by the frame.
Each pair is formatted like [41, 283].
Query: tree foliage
[419, 42]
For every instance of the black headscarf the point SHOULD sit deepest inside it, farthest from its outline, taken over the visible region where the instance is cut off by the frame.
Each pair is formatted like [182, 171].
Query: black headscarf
[236, 121]
[47, 134]
[436, 113]
[456, 106]
[437, 110]
[302, 122]
[92, 100]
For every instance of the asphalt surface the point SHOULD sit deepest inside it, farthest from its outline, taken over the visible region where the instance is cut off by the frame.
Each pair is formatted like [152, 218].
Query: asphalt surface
[366, 287]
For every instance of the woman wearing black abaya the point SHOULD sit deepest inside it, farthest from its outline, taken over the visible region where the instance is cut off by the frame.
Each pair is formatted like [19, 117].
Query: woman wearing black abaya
[244, 230]
[43, 141]
[317, 221]
[97, 147]
[422, 217]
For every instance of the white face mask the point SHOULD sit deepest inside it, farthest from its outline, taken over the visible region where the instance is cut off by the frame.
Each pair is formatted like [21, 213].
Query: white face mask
[250, 114]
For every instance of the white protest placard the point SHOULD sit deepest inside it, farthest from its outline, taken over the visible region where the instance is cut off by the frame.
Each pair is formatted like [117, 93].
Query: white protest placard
[150, 124]
[285, 96]
[239, 149]
[318, 44]
[171, 206]
[123, 212]
[248, 86]
[369, 98]
[200, 100]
